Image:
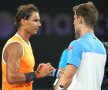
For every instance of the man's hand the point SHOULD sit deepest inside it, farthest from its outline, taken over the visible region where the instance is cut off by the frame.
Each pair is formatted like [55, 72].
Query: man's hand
[44, 70]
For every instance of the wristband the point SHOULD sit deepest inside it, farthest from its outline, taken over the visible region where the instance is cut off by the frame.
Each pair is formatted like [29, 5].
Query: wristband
[56, 73]
[30, 76]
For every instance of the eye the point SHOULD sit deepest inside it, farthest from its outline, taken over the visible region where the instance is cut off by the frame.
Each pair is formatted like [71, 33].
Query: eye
[36, 20]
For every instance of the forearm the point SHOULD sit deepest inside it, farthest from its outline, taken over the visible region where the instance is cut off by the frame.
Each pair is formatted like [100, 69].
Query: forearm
[22, 78]
[67, 77]
[64, 81]
[57, 74]
[16, 78]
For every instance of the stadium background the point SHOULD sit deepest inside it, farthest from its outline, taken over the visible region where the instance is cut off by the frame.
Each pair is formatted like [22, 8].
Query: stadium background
[56, 33]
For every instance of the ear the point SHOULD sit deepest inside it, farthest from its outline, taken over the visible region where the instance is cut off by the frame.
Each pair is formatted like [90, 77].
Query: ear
[23, 21]
[81, 19]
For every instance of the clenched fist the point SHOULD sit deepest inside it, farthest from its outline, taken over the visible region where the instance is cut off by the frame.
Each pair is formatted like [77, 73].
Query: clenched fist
[44, 70]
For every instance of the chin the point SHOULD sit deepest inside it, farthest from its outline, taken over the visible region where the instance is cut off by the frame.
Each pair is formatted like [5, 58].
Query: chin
[33, 33]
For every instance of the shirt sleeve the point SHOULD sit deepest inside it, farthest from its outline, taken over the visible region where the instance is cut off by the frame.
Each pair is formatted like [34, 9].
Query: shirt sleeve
[63, 59]
[74, 54]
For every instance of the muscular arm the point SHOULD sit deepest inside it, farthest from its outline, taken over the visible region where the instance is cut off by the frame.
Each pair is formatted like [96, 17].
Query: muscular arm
[12, 55]
[67, 77]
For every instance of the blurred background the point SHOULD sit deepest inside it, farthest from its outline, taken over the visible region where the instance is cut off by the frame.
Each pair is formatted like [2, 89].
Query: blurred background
[56, 33]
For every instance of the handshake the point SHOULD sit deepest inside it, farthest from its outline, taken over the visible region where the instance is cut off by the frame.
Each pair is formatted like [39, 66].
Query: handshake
[44, 70]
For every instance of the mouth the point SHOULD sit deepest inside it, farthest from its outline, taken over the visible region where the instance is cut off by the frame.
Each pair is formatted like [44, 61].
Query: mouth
[36, 30]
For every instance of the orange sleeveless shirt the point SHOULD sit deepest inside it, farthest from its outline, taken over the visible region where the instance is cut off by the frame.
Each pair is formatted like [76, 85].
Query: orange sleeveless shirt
[27, 63]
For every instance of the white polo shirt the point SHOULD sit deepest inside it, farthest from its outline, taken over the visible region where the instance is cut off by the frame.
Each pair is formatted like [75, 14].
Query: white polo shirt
[89, 56]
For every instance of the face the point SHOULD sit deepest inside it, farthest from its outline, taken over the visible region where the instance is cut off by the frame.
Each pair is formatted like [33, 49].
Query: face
[33, 24]
[76, 26]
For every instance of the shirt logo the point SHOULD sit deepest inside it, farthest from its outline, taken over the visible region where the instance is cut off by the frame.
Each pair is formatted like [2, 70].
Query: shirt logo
[70, 47]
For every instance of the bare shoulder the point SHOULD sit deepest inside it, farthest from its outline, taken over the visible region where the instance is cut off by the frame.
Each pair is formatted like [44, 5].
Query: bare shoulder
[13, 49]
[15, 46]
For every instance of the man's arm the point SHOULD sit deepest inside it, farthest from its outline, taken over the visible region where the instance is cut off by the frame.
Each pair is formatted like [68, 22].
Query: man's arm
[67, 77]
[12, 55]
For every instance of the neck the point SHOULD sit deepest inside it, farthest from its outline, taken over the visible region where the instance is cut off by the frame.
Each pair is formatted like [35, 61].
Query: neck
[85, 30]
[25, 36]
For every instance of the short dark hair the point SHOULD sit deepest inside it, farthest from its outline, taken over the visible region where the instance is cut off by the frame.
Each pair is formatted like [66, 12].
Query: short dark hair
[88, 11]
[25, 11]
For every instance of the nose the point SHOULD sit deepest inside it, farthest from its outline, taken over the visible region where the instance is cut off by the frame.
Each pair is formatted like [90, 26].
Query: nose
[39, 23]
